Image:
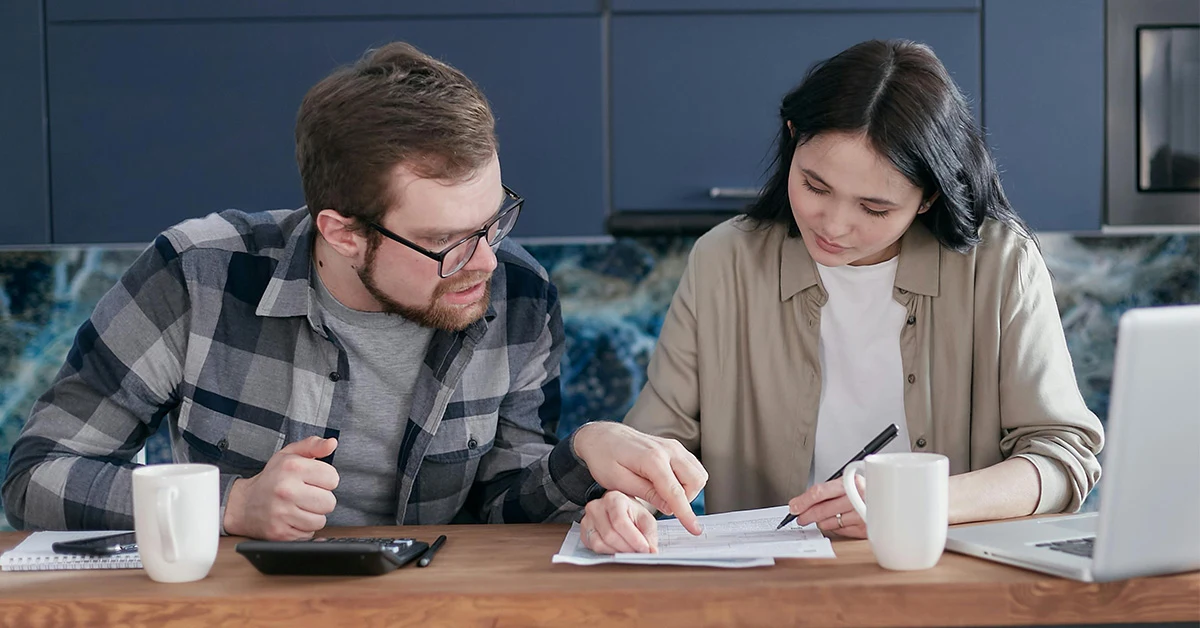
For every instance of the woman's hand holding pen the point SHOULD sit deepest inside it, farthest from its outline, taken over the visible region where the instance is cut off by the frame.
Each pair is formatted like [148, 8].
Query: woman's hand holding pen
[823, 503]
[827, 503]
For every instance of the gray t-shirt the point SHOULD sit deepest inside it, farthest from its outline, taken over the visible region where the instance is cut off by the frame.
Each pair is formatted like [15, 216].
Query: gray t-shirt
[385, 352]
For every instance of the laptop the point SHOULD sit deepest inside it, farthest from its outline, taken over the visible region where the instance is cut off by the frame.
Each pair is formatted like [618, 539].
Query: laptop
[1149, 519]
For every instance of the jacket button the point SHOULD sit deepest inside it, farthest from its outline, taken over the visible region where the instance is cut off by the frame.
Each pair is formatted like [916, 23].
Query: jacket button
[472, 444]
[223, 444]
[911, 378]
[921, 442]
[334, 376]
[912, 320]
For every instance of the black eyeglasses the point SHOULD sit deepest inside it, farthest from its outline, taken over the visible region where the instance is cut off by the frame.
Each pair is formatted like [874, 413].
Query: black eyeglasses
[452, 258]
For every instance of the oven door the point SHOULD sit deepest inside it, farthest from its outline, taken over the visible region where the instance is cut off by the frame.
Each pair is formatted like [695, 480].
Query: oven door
[1153, 114]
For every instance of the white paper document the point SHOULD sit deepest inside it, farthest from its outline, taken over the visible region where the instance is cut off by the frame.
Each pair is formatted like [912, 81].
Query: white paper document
[745, 538]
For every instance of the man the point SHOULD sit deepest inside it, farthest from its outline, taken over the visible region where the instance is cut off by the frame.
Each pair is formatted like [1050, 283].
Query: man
[381, 357]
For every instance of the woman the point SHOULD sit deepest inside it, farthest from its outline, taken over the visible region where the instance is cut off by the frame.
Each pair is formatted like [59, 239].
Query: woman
[881, 277]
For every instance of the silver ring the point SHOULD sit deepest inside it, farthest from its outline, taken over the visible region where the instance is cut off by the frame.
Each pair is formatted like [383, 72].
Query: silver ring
[839, 518]
[590, 532]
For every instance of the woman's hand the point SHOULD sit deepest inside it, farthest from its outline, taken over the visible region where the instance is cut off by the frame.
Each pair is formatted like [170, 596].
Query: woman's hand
[658, 470]
[823, 503]
[616, 523]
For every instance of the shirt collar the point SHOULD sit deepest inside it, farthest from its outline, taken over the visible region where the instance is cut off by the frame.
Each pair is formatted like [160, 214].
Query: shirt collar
[920, 261]
[918, 270]
[797, 270]
[289, 292]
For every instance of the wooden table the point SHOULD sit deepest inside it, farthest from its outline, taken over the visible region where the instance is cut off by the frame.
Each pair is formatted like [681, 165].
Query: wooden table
[502, 576]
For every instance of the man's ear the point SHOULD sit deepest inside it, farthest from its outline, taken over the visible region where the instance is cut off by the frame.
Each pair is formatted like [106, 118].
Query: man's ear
[339, 233]
[927, 203]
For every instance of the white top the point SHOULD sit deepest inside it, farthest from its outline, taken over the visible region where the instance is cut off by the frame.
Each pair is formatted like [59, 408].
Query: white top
[862, 387]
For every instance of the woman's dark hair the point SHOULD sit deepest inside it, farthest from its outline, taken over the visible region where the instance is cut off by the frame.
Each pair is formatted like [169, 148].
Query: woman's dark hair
[900, 96]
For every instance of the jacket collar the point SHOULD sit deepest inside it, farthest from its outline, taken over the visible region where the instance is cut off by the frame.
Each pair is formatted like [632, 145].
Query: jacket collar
[918, 271]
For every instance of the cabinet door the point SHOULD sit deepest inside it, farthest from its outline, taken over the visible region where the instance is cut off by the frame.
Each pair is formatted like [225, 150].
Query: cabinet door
[1043, 73]
[157, 122]
[684, 6]
[25, 208]
[90, 10]
[696, 97]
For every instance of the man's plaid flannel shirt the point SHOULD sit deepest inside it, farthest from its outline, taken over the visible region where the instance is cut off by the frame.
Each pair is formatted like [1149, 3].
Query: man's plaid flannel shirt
[215, 329]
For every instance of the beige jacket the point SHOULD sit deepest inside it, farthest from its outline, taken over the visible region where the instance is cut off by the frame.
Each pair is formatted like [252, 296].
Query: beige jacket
[736, 376]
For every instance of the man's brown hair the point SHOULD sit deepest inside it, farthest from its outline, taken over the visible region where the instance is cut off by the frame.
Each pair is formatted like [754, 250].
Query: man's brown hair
[395, 105]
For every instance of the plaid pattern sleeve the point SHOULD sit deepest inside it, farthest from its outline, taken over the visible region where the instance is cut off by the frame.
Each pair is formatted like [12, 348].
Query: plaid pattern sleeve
[527, 477]
[71, 466]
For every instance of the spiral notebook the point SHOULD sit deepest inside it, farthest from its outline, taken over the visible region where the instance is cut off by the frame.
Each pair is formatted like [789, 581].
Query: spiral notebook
[36, 554]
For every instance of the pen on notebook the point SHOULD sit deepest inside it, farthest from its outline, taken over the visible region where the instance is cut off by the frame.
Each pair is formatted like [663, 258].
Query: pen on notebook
[873, 447]
[427, 557]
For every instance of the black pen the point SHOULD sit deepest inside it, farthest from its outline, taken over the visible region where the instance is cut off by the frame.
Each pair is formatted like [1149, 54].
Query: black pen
[427, 557]
[873, 447]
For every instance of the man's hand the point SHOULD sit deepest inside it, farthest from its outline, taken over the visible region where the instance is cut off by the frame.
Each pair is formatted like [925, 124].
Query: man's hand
[658, 470]
[618, 524]
[823, 503]
[289, 499]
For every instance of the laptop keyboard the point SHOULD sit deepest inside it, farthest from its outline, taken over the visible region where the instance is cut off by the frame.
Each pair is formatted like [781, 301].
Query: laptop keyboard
[1078, 547]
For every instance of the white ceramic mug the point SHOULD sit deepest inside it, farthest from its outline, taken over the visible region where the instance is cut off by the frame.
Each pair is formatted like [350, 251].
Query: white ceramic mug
[176, 516]
[909, 507]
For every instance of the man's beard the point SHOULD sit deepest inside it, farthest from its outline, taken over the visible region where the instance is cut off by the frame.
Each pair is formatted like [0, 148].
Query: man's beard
[435, 314]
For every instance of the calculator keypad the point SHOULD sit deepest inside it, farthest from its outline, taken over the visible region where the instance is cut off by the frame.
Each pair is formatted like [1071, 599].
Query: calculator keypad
[391, 542]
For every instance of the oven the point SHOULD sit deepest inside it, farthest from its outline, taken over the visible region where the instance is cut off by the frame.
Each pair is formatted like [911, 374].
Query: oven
[1152, 92]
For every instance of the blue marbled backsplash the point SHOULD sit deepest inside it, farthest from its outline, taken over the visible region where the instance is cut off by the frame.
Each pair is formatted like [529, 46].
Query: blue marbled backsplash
[614, 296]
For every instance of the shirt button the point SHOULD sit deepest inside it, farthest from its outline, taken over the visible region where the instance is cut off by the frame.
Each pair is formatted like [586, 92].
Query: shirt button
[912, 320]
[223, 444]
[472, 444]
[920, 442]
[911, 378]
[334, 376]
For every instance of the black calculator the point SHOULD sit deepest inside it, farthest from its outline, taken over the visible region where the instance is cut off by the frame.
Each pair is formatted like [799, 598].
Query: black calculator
[337, 556]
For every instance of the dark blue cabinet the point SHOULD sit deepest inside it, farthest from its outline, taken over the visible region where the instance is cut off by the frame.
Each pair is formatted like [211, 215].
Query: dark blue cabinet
[1043, 71]
[126, 116]
[90, 10]
[695, 98]
[24, 205]
[157, 122]
[685, 6]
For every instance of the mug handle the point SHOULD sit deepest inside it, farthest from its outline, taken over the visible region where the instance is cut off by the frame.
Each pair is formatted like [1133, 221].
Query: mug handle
[167, 495]
[851, 487]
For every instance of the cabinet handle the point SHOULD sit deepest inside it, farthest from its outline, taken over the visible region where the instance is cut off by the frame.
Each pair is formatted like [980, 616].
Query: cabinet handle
[738, 193]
